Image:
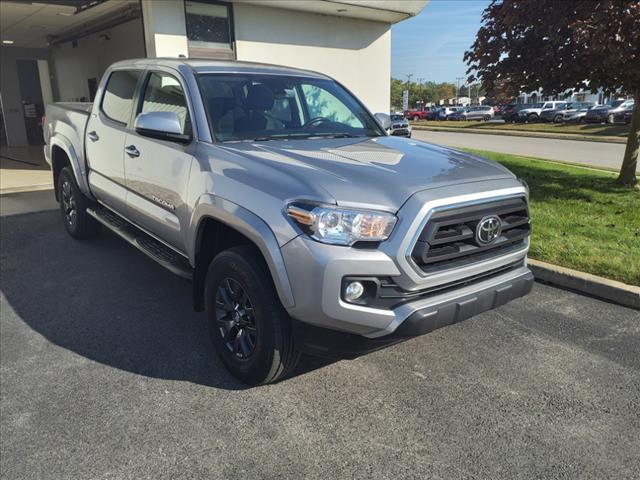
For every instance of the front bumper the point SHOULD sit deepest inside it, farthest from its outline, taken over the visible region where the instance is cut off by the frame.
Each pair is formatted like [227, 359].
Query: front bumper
[417, 318]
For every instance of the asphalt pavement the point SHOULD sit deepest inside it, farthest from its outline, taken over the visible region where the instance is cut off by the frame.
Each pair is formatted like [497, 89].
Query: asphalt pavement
[106, 373]
[592, 154]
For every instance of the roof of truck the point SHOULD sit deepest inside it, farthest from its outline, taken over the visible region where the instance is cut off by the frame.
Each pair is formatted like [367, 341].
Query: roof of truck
[218, 66]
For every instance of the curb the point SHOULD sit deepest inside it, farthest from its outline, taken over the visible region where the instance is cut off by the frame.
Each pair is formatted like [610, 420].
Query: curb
[26, 188]
[523, 133]
[603, 288]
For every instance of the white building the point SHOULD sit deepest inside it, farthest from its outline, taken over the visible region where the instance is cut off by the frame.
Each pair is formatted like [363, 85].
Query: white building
[57, 50]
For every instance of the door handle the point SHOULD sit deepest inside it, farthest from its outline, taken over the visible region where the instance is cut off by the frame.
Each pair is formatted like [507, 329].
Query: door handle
[93, 136]
[132, 151]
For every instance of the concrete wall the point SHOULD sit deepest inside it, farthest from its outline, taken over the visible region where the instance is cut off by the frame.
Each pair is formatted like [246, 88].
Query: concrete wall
[72, 67]
[165, 29]
[355, 52]
[10, 90]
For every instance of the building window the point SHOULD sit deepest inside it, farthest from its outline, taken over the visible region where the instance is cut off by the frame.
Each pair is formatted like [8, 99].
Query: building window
[209, 29]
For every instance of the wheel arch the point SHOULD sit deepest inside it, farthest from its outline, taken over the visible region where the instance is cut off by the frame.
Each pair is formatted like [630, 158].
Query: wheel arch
[63, 154]
[218, 224]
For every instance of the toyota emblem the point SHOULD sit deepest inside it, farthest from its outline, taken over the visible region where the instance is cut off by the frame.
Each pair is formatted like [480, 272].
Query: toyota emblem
[489, 228]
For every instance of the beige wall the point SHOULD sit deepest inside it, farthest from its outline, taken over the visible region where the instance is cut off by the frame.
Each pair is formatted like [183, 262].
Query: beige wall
[355, 52]
[73, 66]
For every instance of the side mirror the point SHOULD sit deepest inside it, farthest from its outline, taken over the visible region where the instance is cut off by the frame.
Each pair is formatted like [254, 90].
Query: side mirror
[161, 125]
[384, 120]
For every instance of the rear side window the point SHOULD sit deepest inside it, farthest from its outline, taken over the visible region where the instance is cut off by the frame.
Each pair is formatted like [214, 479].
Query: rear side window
[118, 95]
[164, 94]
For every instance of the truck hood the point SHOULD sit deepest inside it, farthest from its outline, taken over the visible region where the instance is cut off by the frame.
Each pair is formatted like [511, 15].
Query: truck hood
[380, 173]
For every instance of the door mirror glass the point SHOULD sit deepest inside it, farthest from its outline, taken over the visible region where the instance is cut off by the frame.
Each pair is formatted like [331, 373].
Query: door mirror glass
[161, 125]
[384, 120]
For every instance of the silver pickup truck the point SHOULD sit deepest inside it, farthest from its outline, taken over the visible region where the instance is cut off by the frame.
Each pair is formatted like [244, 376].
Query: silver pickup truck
[302, 225]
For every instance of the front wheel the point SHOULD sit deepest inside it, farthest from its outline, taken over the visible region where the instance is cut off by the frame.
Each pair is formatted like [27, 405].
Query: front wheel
[557, 119]
[611, 119]
[73, 206]
[249, 328]
[416, 118]
[532, 118]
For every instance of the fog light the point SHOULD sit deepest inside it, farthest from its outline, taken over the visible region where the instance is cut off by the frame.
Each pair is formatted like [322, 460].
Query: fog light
[353, 291]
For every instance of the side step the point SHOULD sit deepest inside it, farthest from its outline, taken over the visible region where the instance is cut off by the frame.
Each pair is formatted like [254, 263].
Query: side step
[154, 249]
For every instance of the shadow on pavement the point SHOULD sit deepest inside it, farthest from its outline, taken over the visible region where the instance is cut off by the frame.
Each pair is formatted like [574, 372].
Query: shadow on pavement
[106, 301]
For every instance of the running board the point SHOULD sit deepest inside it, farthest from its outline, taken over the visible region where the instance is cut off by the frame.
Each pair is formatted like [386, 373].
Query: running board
[154, 249]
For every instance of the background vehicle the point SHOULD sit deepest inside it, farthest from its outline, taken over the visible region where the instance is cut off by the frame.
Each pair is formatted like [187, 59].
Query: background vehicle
[624, 117]
[445, 112]
[474, 113]
[607, 112]
[416, 115]
[279, 196]
[400, 127]
[533, 113]
[510, 112]
[575, 114]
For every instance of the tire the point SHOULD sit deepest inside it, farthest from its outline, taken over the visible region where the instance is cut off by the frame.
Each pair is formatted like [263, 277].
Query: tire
[532, 118]
[610, 119]
[486, 118]
[416, 118]
[73, 207]
[557, 119]
[255, 343]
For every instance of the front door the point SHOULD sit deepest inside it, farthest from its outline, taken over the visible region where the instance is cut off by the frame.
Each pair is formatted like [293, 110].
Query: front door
[105, 136]
[158, 170]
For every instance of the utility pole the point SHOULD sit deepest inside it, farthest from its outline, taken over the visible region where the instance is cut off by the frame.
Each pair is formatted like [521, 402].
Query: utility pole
[458, 87]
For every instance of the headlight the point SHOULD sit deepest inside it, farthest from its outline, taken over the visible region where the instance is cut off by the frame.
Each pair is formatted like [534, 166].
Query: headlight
[342, 226]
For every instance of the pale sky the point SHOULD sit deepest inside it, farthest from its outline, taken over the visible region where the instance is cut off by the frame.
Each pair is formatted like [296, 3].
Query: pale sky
[432, 44]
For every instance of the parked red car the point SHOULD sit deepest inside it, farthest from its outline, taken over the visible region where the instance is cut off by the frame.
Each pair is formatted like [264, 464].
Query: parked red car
[415, 114]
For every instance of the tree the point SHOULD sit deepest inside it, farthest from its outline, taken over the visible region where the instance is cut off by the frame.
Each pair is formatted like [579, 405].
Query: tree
[560, 45]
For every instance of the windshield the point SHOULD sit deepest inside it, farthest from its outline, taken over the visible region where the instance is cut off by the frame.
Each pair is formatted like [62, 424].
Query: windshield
[397, 118]
[616, 103]
[276, 107]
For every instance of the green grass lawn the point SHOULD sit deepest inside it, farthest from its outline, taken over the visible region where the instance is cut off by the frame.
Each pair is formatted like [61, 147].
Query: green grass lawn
[600, 130]
[580, 220]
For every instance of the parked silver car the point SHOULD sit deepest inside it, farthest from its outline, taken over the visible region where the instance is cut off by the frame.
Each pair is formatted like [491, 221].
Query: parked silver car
[302, 225]
[482, 112]
[400, 126]
[575, 113]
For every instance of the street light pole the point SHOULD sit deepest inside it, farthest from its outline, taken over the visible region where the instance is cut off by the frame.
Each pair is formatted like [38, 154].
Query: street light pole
[458, 87]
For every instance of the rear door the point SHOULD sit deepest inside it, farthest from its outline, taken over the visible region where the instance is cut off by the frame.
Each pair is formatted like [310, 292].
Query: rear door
[105, 136]
[157, 171]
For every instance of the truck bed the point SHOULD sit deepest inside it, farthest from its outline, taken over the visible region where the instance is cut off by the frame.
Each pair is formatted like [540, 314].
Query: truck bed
[69, 120]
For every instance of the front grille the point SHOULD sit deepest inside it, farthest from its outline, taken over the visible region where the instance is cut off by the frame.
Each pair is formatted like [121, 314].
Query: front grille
[449, 239]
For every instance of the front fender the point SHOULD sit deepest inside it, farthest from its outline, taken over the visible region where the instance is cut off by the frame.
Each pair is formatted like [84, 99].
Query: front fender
[251, 226]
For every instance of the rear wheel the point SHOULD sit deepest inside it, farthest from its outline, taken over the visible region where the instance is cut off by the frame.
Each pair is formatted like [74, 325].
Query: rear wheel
[416, 118]
[557, 119]
[73, 207]
[486, 118]
[532, 118]
[249, 328]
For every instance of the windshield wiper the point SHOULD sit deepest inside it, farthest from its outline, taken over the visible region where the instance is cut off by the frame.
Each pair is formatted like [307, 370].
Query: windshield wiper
[286, 136]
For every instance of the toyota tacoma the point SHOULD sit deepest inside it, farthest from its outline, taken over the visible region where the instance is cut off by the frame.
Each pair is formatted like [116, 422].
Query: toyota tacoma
[302, 225]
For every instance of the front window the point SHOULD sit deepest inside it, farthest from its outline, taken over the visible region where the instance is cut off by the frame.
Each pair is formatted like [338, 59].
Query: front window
[397, 118]
[274, 107]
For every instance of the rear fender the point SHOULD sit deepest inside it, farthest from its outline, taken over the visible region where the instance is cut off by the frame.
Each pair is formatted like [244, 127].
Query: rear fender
[77, 165]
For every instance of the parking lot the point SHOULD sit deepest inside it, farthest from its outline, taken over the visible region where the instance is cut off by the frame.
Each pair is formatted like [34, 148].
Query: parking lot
[107, 373]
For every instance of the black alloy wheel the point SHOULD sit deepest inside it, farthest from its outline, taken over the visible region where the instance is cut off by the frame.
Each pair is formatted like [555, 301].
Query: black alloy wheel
[236, 321]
